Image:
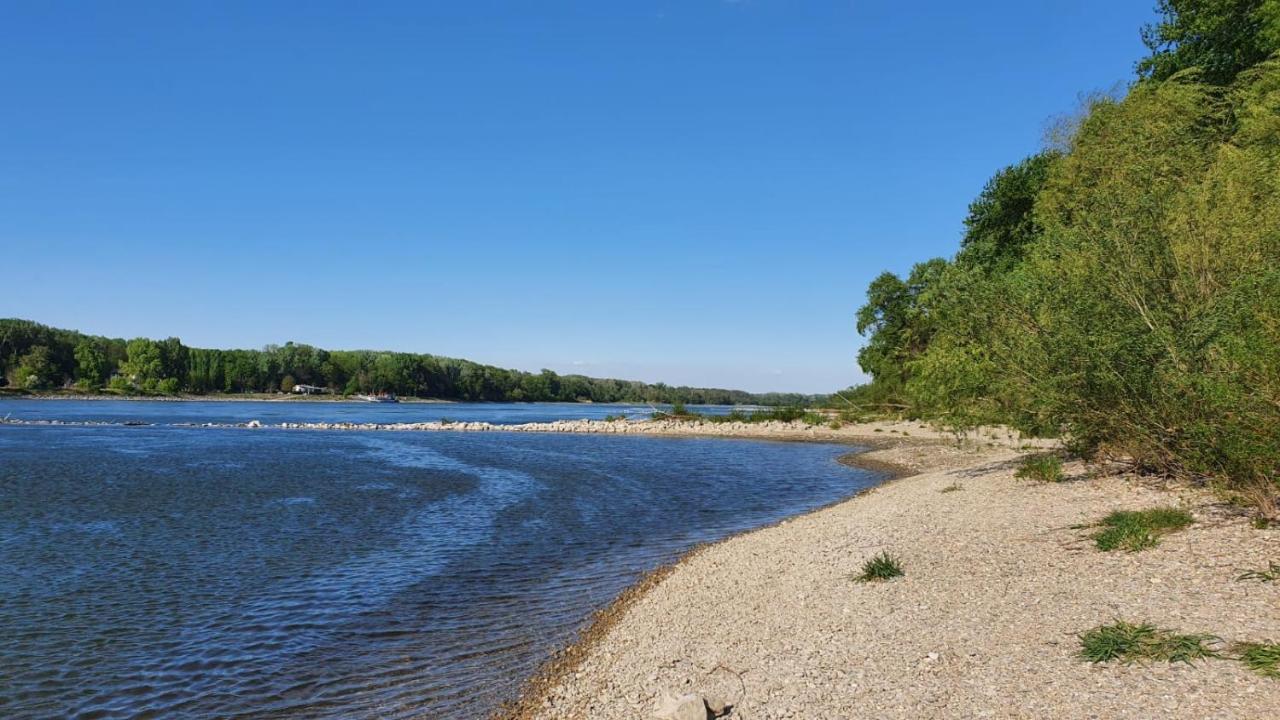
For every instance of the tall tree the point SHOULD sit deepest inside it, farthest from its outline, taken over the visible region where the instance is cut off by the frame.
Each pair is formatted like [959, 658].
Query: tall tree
[1220, 37]
[1001, 224]
[91, 364]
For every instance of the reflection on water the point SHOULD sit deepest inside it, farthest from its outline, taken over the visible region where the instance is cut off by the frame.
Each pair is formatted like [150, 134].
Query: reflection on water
[168, 572]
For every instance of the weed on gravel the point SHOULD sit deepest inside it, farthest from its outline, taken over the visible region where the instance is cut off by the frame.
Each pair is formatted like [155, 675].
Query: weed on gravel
[1042, 468]
[1271, 574]
[1135, 530]
[953, 487]
[1262, 658]
[881, 567]
[1128, 642]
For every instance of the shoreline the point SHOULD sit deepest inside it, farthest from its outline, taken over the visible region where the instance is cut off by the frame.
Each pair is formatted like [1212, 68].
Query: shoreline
[565, 662]
[869, 433]
[770, 620]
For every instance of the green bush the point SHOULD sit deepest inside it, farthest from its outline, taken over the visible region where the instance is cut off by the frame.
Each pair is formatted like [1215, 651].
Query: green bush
[1043, 468]
[1262, 658]
[1122, 290]
[881, 567]
[1135, 530]
[1128, 642]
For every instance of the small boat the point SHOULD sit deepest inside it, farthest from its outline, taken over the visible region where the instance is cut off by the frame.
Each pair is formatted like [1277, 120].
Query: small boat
[381, 398]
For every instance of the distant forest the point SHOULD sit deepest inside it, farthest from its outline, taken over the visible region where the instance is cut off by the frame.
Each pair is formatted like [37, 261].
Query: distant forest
[38, 357]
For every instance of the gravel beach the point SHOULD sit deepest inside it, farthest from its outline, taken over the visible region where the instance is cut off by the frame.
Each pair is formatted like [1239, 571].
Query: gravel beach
[999, 580]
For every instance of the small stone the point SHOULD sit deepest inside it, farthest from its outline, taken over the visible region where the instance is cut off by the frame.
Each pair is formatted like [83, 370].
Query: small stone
[684, 707]
[717, 705]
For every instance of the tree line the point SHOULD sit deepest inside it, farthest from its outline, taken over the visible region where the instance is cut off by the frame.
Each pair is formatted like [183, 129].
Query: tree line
[38, 357]
[1122, 286]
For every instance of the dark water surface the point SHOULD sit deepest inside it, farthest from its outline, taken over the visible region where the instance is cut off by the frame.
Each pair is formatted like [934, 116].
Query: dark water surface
[169, 572]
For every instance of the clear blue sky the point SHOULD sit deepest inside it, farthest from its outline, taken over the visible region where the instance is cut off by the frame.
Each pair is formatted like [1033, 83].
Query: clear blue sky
[692, 191]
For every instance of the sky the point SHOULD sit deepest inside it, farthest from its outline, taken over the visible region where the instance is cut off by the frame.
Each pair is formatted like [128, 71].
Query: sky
[687, 191]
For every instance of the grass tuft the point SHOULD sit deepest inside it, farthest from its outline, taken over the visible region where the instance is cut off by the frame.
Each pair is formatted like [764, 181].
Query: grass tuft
[1262, 658]
[1271, 574]
[1043, 468]
[953, 487]
[1128, 642]
[1135, 530]
[881, 567]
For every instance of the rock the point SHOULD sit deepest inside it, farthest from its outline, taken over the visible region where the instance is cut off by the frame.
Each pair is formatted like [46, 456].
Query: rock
[717, 705]
[684, 707]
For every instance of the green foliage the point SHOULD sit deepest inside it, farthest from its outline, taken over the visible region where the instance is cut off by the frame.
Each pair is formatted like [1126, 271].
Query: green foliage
[1133, 306]
[897, 320]
[35, 370]
[1219, 38]
[1128, 642]
[168, 366]
[1002, 225]
[777, 414]
[92, 367]
[881, 567]
[1271, 574]
[1045, 467]
[1135, 530]
[1262, 658]
[143, 367]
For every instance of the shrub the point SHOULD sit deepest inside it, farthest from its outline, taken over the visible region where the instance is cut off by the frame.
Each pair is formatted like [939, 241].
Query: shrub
[881, 567]
[1043, 468]
[1129, 642]
[1135, 530]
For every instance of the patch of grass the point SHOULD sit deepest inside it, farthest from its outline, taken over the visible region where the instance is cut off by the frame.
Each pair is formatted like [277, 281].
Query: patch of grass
[1128, 642]
[1043, 468]
[1135, 530]
[1261, 523]
[953, 487]
[881, 567]
[1262, 658]
[1271, 574]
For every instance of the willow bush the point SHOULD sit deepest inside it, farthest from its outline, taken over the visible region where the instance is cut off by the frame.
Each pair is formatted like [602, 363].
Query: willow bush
[1123, 290]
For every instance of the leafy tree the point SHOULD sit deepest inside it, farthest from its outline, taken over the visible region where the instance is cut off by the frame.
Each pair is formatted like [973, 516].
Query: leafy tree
[92, 367]
[898, 322]
[1220, 37]
[145, 364]
[1001, 224]
[35, 371]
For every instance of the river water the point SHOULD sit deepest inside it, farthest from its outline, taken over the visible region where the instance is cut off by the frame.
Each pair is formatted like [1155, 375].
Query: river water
[163, 571]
